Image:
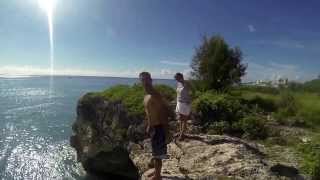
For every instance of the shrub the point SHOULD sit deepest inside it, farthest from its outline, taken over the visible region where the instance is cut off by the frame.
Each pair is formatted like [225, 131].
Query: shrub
[287, 108]
[316, 169]
[259, 89]
[197, 86]
[296, 121]
[309, 108]
[312, 86]
[287, 104]
[311, 158]
[219, 127]
[211, 107]
[254, 127]
[132, 96]
[311, 118]
[167, 92]
[266, 105]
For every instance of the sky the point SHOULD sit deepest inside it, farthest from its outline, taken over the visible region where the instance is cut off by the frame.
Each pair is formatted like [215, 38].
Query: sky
[279, 38]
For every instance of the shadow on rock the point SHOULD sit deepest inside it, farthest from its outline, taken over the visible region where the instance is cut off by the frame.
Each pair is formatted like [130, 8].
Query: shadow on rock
[287, 171]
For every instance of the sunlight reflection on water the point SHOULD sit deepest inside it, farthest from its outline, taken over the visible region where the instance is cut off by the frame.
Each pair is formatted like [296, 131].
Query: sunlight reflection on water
[34, 139]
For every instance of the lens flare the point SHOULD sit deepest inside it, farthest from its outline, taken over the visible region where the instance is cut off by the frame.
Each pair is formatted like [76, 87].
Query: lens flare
[48, 7]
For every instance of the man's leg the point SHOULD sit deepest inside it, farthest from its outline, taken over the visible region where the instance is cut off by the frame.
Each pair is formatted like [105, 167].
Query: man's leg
[151, 165]
[180, 125]
[183, 124]
[159, 149]
[157, 168]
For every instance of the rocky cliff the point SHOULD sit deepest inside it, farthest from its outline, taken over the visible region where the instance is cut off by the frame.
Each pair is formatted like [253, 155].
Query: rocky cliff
[110, 144]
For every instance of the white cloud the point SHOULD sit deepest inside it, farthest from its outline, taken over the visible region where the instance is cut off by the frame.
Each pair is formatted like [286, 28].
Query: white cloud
[169, 73]
[32, 70]
[273, 71]
[251, 28]
[175, 63]
[166, 72]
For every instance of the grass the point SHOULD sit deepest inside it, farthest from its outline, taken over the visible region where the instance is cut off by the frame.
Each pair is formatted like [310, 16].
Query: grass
[306, 154]
[309, 107]
[248, 95]
[308, 103]
[310, 156]
[238, 105]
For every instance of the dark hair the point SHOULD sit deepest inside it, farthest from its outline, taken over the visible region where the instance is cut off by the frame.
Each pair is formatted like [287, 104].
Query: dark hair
[144, 74]
[178, 75]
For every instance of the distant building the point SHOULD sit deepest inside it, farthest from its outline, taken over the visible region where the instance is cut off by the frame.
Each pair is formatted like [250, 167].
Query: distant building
[262, 83]
[267, 83]
[280, 83]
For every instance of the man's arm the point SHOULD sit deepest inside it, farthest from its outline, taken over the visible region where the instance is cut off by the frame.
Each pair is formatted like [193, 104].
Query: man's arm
[147, 120]
[168, 109]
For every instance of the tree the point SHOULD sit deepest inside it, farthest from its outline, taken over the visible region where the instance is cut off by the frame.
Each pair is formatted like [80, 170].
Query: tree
[217, 65]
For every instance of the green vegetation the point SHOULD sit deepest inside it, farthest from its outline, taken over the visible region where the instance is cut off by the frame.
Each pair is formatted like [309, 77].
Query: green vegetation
[312, 86]
[311, 157]
[217, 65]
[290, 109]
[272, 116]
[211, 106]
[263, 114]
[254, 127]
[225, 113]
[132, 96]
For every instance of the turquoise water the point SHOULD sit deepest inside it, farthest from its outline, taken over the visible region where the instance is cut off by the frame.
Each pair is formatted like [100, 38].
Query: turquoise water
[36, 125]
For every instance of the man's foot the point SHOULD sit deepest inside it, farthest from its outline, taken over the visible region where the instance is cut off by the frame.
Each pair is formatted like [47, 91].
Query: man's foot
[176, 135]
[155, 178]
[181, 137]
[151, 174]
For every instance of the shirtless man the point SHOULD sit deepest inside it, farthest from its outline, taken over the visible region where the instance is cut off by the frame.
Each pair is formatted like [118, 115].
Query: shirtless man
[156, 123]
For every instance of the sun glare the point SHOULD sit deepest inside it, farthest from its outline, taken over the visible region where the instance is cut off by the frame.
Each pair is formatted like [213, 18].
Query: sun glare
[47, 6]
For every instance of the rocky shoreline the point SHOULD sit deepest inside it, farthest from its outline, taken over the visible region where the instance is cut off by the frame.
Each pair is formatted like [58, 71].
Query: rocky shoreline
[110, 144]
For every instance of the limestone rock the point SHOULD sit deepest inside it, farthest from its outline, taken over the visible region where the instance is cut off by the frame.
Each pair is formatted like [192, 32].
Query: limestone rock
[111, 144]
[207, 157]
[102, 132]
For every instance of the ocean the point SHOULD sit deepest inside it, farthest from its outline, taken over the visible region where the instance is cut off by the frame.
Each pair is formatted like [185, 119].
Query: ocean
[36, 118]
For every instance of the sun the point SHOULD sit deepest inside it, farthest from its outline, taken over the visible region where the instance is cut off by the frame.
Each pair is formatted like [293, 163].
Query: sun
[47, 6]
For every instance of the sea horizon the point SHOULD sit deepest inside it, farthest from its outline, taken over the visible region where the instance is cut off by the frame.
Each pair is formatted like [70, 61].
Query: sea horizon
[84, 76]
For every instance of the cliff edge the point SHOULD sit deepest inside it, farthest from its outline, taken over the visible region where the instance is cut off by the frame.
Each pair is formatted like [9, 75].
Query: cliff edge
[110, 143]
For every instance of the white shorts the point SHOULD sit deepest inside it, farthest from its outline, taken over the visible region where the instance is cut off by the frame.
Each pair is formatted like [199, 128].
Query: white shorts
[183, 108]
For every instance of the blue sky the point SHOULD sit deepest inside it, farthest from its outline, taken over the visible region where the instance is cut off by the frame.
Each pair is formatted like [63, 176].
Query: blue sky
[279, 38]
